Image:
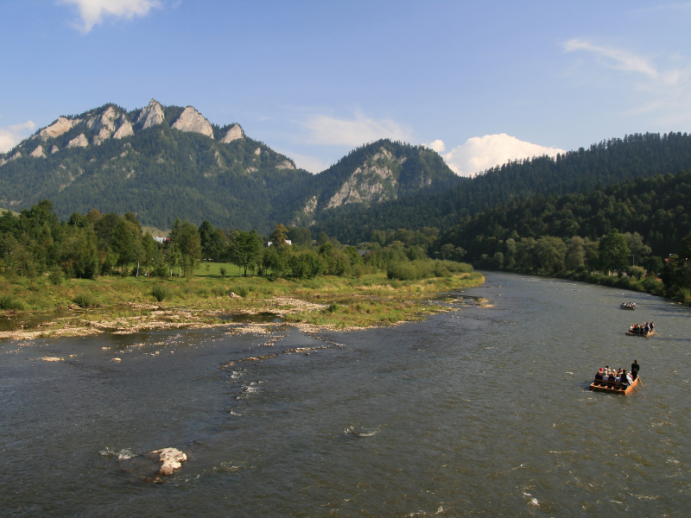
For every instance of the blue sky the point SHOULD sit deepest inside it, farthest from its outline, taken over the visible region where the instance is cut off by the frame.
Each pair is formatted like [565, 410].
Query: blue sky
[480, 82]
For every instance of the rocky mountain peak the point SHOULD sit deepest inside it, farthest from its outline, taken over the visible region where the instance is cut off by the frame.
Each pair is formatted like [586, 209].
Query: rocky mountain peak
[59, 127]
[191, 120]
[151, 115]
[234, 132]
[104, 124]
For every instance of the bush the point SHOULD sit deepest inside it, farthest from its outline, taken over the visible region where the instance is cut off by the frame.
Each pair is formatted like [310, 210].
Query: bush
[219, 291]
[161, 270]
[332, 308]
[84, 300]
[223, 272]
[56, 276]
[402, 272]
[242, 291]
[9, 303]
[160, 293]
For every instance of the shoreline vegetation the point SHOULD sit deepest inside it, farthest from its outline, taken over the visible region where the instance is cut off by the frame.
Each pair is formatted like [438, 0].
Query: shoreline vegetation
[126, 305]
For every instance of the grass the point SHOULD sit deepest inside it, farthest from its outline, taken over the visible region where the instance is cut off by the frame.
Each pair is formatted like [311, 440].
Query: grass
[371, 299]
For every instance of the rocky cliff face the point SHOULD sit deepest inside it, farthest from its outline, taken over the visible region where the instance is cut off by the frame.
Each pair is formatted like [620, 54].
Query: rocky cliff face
[151, 115]
[192, 120]
[372, 182]
[79, 141]
[60, 127]
[125, 129]
[235, 132]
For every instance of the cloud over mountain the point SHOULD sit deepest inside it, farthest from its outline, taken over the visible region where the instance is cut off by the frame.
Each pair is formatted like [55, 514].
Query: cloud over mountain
[480, 153]
[93, 12]
[12, 135]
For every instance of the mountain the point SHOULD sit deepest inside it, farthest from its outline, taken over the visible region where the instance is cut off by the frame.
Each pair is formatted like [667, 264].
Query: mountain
[611, 161]
[163, 162]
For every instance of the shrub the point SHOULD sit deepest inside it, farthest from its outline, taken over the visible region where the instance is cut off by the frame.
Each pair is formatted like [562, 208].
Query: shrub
[160, 293]
[242, 291]
[332, 308]
[56, 276]
[223, 272]
[9, 303]
[84, 300]
[402, 272]
[219, 291]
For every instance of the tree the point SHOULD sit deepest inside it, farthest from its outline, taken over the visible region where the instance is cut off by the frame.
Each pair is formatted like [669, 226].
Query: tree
[190, 246]
[244, 249]
[550, 252]
[123, 243]
[635, 244]
[322, 239]
[614, 253]
[279, 235]
[300, 236]
[575, 253]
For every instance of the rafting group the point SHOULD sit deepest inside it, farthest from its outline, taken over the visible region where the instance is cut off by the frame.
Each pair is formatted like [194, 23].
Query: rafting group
[616, 380]
[628, 305]
[646, 329]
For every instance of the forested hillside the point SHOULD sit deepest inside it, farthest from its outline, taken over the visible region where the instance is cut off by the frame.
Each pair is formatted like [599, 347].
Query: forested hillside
[615, 160]
[655, 207]
[163, 162]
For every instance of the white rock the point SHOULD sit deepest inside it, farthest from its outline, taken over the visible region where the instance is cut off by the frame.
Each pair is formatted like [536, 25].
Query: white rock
[79, 141]
[191, 120]
[17, 155]
[151, 115]
[54, 150]
[172, 460]
[61, 126]
[258, 151]
[2, 161]
[103, 124]
[286, 164]
[234, 133]
[38, 152]
[125, 129]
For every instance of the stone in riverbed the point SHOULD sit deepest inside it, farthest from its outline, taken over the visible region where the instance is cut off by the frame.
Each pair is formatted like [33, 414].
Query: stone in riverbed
[172, 460]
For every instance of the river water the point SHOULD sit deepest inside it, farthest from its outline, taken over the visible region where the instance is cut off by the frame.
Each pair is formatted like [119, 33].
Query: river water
[480, 412]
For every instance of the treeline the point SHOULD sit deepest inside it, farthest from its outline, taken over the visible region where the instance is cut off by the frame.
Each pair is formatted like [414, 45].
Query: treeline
[637, 229]
[86, 246]
[611, 161]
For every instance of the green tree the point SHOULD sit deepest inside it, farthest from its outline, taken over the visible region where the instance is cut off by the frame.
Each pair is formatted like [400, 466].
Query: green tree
[279, 235]
[613, 251]
[190, 246]
[244, 249]
[123, 243]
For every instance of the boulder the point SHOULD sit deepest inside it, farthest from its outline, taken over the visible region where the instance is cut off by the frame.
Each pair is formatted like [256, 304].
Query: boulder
[191, 120]
[151, 115]
[172, 460]
[234, 133]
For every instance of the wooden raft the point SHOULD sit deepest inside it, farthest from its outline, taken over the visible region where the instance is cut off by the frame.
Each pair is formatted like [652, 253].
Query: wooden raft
[612, 387]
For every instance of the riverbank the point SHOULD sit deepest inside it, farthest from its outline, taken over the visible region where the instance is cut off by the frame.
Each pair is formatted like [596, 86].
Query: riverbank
[125, 305]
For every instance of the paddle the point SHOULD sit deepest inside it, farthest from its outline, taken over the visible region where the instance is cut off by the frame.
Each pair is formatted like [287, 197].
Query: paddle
[641, 393]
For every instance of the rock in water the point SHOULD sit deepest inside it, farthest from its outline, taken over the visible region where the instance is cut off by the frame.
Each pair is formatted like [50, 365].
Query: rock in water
[191, 120]
[172, 460]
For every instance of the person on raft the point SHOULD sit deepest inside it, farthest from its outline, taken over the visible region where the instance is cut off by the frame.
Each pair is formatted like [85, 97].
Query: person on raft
[643, 329]
[618, 377]
[634, 369]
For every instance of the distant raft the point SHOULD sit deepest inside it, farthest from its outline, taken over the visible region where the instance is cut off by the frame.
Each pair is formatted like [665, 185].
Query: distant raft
[628, 305]
[613, 387]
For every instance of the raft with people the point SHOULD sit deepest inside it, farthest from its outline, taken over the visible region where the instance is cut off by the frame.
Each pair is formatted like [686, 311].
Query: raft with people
[644, 330]
[628, 305]
[613, 387]
[616, 381]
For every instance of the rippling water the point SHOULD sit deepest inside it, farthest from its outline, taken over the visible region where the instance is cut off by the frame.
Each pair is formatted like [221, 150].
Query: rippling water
[481, 412]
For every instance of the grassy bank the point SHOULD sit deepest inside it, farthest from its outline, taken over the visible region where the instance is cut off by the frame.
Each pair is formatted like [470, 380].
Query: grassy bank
[124, 303]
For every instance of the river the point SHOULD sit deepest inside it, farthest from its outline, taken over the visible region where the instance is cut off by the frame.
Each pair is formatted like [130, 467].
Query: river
[480, 412]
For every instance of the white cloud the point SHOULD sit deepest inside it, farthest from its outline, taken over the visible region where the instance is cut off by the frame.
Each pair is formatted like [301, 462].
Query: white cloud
[13, 135]
[480, 153]
[436, 145]
[92, 12]
[657, 89]
[325, 130]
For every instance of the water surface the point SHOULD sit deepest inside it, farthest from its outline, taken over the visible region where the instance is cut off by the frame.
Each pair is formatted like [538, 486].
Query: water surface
[480, 412]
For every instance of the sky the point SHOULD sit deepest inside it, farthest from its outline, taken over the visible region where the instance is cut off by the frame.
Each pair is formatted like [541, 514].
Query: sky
[479, 82]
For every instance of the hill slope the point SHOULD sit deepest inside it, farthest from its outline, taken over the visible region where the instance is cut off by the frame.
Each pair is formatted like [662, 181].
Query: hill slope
[166, 162]
[612, 161]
